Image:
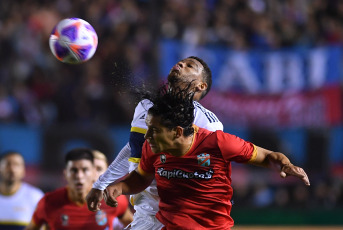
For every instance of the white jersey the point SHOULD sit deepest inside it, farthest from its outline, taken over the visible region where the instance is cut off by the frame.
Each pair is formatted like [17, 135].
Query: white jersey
[203, 117]
[147, 201]
[17, 209]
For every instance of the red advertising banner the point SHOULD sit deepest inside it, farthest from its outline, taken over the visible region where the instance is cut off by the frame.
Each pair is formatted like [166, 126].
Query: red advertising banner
[319, 108]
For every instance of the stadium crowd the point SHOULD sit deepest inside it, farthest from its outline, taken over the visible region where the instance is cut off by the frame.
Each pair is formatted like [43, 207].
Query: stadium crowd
[34, 86]
[36, 89]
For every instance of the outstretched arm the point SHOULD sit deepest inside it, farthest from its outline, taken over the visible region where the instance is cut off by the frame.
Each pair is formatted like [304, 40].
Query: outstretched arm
[117, 170]
[279, 162]
[134, 183]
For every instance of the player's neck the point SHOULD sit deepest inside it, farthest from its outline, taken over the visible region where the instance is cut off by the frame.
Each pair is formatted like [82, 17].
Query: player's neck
[183, 146]
[197, 96]
[77, 198]
[8, 189]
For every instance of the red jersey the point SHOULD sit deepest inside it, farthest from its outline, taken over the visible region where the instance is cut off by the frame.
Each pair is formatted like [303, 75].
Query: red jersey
[195, 189]
[57, 211]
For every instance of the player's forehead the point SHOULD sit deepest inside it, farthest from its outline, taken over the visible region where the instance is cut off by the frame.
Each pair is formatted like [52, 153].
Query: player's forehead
[192, 60]
[195, 71]
[149, 119]
[100, 163]
[153, 121]
[12, 158]
[79, 164]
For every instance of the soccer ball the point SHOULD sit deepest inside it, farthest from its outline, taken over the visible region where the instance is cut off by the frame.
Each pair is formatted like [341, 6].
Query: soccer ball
[73, 41]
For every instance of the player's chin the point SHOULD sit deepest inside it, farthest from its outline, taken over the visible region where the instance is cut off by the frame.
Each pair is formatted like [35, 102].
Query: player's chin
[81, 189]
[174, 77]
[154, 149]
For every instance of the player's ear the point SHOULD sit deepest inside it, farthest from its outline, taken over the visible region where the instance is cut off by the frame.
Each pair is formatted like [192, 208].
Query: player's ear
[178, 131]
[202, 86]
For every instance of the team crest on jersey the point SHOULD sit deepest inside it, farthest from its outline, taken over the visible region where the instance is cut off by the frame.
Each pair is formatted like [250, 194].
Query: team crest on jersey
[163, 158]
[204, 159]
[101, 218]
[65, 220]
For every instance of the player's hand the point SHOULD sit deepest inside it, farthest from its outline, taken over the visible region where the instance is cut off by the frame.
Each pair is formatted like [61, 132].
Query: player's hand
[111, 193]
[93, 198]
[292, 170]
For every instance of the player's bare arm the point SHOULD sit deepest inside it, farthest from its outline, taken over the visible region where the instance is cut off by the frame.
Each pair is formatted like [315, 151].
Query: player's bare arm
[134, 183]
[278, 161]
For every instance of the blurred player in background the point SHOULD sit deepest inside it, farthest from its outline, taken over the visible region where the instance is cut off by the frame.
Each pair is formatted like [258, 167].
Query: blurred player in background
[66, 208]
[190, 70]
[101, 164]
[192, 166]
[18, 199]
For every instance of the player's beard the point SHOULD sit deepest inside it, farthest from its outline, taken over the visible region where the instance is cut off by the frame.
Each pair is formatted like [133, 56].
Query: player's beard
[11, 180]
[173, 77]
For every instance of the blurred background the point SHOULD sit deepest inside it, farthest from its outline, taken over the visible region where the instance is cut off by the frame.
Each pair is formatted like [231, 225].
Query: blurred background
[277, 82]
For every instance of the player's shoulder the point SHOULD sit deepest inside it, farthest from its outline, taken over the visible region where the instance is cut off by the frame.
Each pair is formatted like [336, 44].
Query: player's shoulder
[57, 195]
[203, 133]
[199, 108]
[140, 113]
[205, 118]
[32, 190]
[144, 104]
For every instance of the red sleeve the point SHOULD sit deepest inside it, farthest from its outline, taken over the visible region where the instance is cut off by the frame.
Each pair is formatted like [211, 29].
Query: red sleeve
[146, 162]
[39, 217]
[234, 148]
[123, 204]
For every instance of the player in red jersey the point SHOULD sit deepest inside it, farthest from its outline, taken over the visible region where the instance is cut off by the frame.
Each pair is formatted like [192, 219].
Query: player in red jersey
[192, 166]
[66, 208]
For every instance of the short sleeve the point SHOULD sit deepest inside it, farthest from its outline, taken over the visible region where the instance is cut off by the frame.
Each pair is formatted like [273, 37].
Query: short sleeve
[234, 148]
[138, 129]
[138, 121]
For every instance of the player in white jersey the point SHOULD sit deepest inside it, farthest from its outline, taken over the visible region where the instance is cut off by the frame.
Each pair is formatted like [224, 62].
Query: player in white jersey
[190, 70]
[18, 199]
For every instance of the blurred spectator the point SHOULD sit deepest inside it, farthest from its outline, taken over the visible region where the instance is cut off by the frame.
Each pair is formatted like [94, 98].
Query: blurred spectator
[18, 199]
[282, 197]
[301, 197]
[40, 90]
[262, 195]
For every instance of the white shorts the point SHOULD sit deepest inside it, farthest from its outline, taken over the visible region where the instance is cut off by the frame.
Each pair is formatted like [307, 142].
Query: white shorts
[144, 222]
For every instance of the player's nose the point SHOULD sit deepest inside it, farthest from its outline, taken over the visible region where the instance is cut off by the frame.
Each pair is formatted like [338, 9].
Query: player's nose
[147, 134]
[181, 64]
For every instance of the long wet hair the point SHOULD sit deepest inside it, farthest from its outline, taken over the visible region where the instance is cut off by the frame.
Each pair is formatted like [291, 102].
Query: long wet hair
[174, 106]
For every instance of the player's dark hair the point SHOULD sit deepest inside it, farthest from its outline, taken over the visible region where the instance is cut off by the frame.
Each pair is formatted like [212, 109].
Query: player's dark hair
[9, 153]
[175, 107]
[79, 154]
[206, 74]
